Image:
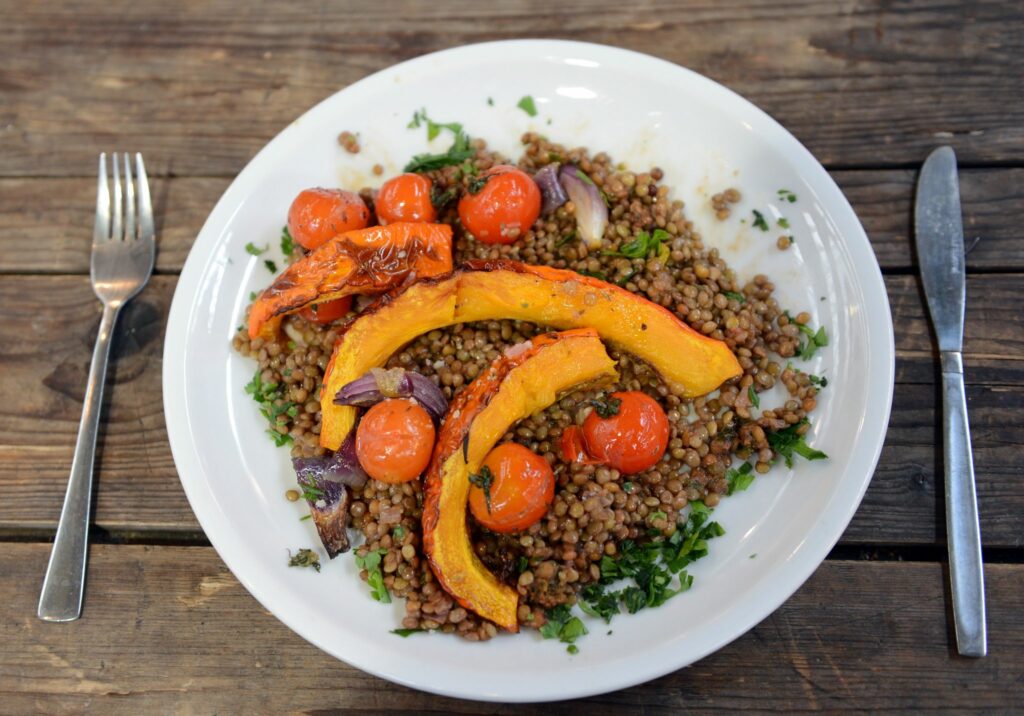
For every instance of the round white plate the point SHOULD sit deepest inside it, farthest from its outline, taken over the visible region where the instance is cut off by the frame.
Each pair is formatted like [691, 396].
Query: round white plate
[644, 112]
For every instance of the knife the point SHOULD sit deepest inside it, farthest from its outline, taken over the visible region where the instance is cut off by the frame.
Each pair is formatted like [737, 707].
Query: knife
[939, 235]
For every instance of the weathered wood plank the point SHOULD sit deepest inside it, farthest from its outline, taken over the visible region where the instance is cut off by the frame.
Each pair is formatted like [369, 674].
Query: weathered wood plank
[170, 629]
[45, 224]
[199, 88]
[43, 379]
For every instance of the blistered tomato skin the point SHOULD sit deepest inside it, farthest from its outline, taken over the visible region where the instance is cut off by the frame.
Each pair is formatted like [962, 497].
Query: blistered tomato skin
[405, 197]
[500, 205]
[317, 215]
[394, 440]
[522, 489]
[631, 440]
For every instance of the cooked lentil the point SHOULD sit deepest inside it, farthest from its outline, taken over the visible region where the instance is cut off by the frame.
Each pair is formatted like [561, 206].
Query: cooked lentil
[595, 508]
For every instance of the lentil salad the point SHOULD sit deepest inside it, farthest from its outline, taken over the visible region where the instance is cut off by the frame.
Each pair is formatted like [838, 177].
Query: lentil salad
[598, 515]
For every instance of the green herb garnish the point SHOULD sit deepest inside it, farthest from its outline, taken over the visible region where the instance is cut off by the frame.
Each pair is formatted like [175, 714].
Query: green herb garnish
[562, 625]
[271, 266]
[741, 478]
[752, 394]
[759, 221]
[250, 248]
[273, 407]
[287, 242]
[627, 487]
[398, 532]
[788, 442]
[607, 407]
[374, 577]
[593, 274]
[311, 493]
[404, 633]
[572, 648]
[735, 296]
[815, 339]
[490, 101]
[820, 381]
[787, 195]
[459, 152]
[484, 479]
[783, 222]
[522, 564]
[304, 558]
[643, 246]
[527, 105]
[477, 184]
[440, 199]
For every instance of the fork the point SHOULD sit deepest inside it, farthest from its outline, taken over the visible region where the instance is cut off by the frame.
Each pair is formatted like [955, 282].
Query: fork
[123, 248]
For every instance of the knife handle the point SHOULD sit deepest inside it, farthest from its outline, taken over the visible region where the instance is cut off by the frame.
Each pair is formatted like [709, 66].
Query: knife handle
[962, 531]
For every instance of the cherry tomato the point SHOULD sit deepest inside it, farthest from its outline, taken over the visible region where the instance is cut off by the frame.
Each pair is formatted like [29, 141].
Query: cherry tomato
[633, 438]
[405, 197]
[521, 486]
[573, 447]
[328, 311]
[394, 440]
[504, 205]
[317, 215]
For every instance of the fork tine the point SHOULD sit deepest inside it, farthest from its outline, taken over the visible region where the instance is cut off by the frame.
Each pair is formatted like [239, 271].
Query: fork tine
[146, 230]
[129, 201]
[101, 232]
[115, 231]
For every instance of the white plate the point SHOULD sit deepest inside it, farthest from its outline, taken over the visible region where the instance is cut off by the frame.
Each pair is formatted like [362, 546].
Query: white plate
[645, 112]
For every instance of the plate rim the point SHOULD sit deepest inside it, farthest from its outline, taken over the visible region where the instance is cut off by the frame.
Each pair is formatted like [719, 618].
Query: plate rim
[185, 290]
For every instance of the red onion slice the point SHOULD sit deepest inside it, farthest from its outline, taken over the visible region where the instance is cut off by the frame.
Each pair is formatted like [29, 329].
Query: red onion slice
[551, 191]
[379, 384]
[591, 211]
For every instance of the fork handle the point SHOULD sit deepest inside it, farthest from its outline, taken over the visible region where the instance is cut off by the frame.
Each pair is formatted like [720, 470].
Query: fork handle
[963, 535]
[61, 598]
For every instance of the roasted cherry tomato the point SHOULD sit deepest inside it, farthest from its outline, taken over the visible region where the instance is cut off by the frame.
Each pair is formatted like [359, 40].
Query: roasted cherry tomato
[317, 215]
[500, 205]
[628, 431]
[513, 489]
[574, 448]
[405, 197]
[394, 440]
[328, 311]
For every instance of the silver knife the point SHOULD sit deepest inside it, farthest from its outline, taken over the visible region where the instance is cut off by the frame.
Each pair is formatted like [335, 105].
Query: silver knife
[940, 251]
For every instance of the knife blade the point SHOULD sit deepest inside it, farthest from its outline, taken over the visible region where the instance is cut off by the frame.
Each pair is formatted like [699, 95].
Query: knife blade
[939, 237]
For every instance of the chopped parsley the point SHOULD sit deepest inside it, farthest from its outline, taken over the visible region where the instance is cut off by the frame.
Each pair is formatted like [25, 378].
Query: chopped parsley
[644, 246]
[627, 487]
[404, 633]
[592, 274]
[571, 236]
[440, 198]
[820, 381]
[527, 105]
[374, 577]
[271, 266]
[741, 478]
[652, 568]
[783, 222]
[788, 441]
[253, 250]
[398, 532]
[735, 296]
[815, 338]
[752, 394]
[304, 558]
[572, 648]
[253, 295]
[607, 407]
[484, 479]
[490, 101]
[522, 564]
[273, 407]
[477, 184]
[787, 195]
[459, 152]
[287, 242]
[562, 625]
[759, 221]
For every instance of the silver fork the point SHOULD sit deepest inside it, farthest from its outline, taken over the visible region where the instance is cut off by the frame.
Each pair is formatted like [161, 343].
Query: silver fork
[123, 248]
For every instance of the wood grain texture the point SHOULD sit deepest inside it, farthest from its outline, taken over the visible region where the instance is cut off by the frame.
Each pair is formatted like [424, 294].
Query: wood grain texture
[138, 489]
[200, 87]
[169, 629]
[45, 224]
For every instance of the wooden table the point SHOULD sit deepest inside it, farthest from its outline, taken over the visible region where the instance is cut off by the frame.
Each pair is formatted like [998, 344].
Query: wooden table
[869, 87]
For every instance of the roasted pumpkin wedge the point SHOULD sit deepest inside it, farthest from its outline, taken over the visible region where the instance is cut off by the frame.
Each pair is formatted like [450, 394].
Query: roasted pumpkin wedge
[367, 261]
[523, 381]
[691, 363]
